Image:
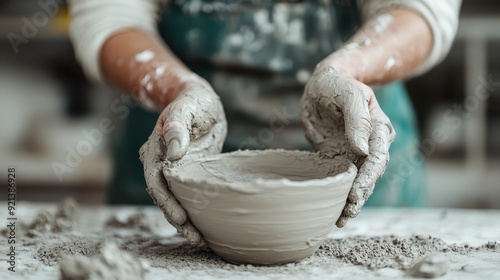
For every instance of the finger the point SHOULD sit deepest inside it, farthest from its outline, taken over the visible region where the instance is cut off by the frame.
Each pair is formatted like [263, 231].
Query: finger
[342, 221]
[350, 97]
[191, 233]
[209, 142]
[176, 130]
[171, 208]
[321, 113]
[311, 132]
[372, 168]
[142, 152]
[157, 185]
[176, 135]
[192, 116]
[357, 118]
[353, 208]
[381, 117]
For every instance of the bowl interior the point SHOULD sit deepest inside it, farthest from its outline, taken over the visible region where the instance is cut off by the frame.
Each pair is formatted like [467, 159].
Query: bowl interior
[250, 166]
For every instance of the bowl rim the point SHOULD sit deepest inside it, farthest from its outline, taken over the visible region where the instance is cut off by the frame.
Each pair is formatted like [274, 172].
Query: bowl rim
[349, 174]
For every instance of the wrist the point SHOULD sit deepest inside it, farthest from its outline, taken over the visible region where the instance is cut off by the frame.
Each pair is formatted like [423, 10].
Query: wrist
[161, 83]
[341, 64]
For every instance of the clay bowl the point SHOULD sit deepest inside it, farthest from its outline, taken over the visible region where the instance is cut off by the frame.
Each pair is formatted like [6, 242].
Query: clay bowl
[263, 207]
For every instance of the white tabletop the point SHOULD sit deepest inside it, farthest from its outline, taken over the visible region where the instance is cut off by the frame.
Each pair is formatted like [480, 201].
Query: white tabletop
[472, 227]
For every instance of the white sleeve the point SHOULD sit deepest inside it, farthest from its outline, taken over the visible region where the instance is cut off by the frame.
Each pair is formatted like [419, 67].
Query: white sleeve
[94, 21]
[441, 15]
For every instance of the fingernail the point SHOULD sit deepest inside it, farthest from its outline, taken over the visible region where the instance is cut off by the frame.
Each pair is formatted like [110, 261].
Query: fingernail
[177, 214]
[173, 150]
[362, 145]
[341, 222]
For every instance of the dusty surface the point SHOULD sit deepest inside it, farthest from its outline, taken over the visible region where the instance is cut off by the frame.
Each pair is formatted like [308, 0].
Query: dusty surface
[466, 240]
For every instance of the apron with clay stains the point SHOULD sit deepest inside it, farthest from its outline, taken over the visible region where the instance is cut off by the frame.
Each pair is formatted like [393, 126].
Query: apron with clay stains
[258, 55]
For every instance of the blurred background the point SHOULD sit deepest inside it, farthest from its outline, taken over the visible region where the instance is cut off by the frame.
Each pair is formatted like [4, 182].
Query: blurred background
[47, 107]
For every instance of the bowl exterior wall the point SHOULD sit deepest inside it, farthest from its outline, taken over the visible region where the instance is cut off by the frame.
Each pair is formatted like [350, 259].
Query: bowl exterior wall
[279, 225]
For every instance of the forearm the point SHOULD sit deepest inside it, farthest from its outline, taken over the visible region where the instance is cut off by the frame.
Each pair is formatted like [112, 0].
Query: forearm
[140, 64]
[116, 42]
[388, 47]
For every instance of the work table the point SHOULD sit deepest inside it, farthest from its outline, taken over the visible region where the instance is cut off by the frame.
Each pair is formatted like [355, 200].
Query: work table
[460, 226]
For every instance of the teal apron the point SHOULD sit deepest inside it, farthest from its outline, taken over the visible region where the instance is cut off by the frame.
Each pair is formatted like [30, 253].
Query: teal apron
[258, 57]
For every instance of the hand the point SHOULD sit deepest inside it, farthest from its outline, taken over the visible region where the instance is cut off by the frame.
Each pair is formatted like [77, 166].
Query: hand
[342, 116]
[191, 126]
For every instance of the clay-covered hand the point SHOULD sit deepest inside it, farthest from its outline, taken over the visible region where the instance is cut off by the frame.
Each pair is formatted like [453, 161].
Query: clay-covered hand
[341, 115]
[192, 125]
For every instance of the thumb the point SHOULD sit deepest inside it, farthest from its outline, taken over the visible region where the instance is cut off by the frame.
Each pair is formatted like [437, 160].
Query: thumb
[176, 133]
[358, 127]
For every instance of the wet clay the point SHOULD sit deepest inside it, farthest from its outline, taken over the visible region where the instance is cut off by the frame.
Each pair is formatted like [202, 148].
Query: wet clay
[112, 263]
[136, 220]
[430, 267]
[58, 221]
[263, 207]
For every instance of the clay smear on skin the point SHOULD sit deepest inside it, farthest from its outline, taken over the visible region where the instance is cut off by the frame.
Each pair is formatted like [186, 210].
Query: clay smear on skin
[157, 79]
[146, 82]
[375, 28]
[194, 121]
[144, 56]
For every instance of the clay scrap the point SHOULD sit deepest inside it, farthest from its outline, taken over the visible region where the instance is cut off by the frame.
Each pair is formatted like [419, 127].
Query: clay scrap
[137, 220]
[59, 221]
[430, 267]
[111, 264]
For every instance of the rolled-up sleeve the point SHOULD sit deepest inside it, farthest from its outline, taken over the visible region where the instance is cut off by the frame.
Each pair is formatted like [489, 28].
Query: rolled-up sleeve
[93, 22]
[441, 15]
